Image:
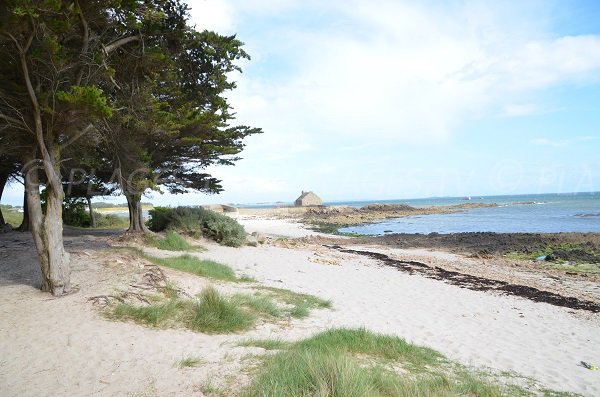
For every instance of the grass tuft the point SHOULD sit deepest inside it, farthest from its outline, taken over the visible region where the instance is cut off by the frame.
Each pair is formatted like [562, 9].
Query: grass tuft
[267, 344]
[210, 313]
[189, 362]
[154, 315]
[171, 242]
[217, 314]
[297, 299]
[200, 267]
[244, 278]
[259, 304]
[333, 364]
[360, 341]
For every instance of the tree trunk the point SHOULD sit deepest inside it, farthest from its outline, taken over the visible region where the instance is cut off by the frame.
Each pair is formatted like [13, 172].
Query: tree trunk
[24, 227]
[3, 180]
[91, 209]
[47, 230]
[136, 216]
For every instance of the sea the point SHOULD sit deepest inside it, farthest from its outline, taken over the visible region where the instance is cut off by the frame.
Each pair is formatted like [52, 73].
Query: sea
[535, 213]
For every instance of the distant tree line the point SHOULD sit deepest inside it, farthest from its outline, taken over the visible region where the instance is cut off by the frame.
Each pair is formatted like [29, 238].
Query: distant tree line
[105, 96]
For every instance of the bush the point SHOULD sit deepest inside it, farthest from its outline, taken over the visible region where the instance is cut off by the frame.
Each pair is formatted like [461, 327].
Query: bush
[75, 212]
[219, 227]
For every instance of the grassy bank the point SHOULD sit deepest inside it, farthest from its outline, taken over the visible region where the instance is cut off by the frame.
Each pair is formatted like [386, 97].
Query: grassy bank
[356, 362]
[12, 217]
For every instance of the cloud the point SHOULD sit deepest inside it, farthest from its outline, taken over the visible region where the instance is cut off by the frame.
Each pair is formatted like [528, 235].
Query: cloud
[529, 109]
[214, 15]
[401, 73]
[344, 81]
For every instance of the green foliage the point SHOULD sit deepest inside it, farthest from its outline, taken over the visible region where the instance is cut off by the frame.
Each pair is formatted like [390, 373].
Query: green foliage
[189, 362]
[89, 97]
[219, 227]
[292, 304]
[110, 221]
[345, 362]
[191, 264]
[172, 242]
[155, 315]
[11, 216]
[210, 313]
[217, 314]
[75, 212]
[259, 304]
[361, 341]
[267, 344]
[301, 303]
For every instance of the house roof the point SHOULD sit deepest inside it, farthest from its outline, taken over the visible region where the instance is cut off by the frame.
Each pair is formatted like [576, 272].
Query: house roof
[304, 194]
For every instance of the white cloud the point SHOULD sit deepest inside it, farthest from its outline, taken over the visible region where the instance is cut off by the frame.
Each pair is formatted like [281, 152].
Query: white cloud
[523, 110]
[355, 77]
[404, 73]
[214, 15]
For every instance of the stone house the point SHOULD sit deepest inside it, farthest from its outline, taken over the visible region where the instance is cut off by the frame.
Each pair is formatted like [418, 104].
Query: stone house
[307, 199]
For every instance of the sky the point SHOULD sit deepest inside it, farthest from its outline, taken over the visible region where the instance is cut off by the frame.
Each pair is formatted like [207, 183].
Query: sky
[367, 100]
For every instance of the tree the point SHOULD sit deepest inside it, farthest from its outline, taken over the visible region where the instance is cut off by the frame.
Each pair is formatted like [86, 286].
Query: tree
[58, 55]
[173, 117]
[130, 71]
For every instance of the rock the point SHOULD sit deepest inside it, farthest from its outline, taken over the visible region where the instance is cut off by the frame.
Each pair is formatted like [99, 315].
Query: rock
[251, 241]
[260, 238]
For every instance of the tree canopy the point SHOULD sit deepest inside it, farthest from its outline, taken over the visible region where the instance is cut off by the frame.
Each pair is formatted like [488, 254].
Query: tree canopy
[126, 88]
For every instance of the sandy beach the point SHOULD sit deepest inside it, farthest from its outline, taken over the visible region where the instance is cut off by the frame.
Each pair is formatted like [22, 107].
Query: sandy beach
[66, 347]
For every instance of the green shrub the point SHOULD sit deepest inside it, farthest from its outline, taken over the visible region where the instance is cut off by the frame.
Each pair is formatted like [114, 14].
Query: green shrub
[219, 227]
[75, 212]
[172, 242]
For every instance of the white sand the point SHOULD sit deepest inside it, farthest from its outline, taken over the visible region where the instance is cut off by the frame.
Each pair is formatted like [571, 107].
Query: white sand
[505, 333]
[64, 347]
[275, 227]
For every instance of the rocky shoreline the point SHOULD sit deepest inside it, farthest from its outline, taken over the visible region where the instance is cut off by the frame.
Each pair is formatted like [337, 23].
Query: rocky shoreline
[332, 218]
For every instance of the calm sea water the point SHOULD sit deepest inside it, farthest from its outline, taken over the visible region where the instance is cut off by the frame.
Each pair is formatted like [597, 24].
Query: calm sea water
[551, 213]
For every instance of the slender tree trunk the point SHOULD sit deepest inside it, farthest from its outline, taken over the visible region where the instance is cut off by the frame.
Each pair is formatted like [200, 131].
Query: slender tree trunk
[136, 215]
[47, 230]
[91, 209]
[3, 180]
[24, 227]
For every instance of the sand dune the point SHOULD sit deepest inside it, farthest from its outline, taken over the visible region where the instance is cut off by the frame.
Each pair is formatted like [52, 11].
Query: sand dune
[65, 347]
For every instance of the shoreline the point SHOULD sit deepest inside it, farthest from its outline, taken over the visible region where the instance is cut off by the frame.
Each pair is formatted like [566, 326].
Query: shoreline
[485, 330]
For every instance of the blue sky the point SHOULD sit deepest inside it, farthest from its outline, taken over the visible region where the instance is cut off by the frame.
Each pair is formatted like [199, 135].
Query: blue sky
[407, 99]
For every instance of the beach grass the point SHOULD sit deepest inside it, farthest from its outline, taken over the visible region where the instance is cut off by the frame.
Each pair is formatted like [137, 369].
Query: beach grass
[189, 362]
[267, 344]
[211, 313]
[171, 242]
[200, 267]
[160, 314]
[350, 362]
[215, 313]
[260, 304]
[301, 303]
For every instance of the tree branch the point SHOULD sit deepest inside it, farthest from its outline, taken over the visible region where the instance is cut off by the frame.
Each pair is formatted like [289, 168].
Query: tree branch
[13, 121]
[119, 43]
[86, 41]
